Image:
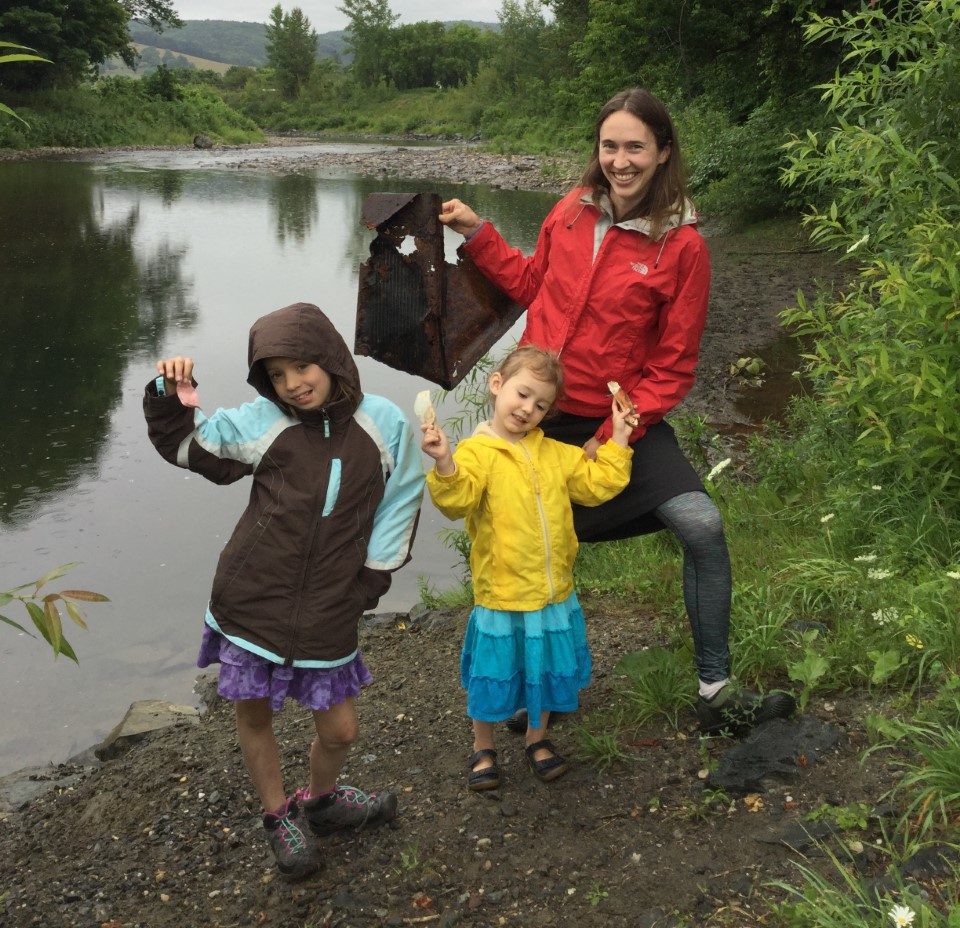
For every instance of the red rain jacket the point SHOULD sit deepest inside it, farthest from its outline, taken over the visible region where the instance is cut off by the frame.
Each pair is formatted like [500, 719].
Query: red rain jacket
[633, 313]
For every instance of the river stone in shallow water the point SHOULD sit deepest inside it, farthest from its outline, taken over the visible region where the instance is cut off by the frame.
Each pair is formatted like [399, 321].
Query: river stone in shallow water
[143, 717]
[777, 749]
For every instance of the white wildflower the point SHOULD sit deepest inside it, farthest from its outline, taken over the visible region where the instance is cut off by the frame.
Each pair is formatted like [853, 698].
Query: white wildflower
[953, 574]
[879, 574]
[719, 469]
[902, 916]
[886, 616]
[876, 486]
[827, 517]
[865, 558]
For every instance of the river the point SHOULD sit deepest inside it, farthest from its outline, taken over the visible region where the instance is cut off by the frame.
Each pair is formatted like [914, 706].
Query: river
[107, 264]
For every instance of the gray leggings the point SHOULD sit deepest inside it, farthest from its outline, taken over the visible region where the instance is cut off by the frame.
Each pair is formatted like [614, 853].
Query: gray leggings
[695, 521]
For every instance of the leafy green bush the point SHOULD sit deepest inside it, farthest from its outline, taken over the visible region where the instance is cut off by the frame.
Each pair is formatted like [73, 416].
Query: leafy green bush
[121, 111]
[884, 356]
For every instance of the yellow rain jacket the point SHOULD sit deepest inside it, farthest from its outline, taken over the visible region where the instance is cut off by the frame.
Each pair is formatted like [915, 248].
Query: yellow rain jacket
[515, 501]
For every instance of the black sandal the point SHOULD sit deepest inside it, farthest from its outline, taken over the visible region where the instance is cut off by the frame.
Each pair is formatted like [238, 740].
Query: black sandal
[550, 768]
[486, 777]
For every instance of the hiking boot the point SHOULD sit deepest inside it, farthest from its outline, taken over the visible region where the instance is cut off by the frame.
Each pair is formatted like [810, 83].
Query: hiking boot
[291, 842]
[737, 710]
[348, 807]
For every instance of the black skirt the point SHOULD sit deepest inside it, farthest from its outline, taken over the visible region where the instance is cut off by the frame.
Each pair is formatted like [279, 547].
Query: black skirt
[659, 472]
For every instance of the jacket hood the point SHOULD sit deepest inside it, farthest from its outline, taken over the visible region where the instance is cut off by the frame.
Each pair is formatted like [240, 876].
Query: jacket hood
[684, 214]
[303, 332]
[484, 430]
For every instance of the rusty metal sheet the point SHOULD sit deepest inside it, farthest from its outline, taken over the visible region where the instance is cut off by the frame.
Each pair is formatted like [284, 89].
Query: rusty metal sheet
[415, 311]
[379, 207]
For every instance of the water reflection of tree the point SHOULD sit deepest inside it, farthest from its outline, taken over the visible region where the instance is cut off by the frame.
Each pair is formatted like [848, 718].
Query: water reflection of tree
[76, 299]
[164, 298]
[294, 199]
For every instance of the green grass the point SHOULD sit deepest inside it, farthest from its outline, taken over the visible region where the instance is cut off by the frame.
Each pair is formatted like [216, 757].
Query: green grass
[118, 111]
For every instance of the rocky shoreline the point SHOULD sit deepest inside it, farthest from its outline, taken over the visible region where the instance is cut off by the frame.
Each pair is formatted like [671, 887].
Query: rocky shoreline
[166, 834]
[446, 161]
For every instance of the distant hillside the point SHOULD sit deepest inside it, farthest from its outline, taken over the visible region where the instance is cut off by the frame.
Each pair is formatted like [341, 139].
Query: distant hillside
[225, 40]
[240, 43]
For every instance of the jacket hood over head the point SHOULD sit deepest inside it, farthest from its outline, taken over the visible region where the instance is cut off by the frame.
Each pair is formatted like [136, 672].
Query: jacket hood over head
[302, 332]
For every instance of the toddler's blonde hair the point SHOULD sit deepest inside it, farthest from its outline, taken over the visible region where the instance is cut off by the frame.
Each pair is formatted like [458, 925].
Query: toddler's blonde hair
[544, 364]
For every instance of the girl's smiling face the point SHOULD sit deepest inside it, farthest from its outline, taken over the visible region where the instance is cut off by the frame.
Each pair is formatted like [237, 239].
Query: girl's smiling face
[300, 384]
[629, 157]
[519, 403]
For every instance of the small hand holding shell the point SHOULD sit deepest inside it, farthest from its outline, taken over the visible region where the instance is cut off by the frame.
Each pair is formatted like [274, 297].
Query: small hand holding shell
[423, 408]
[624, 402]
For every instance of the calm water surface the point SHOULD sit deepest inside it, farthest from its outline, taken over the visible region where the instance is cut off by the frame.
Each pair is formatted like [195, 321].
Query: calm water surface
[106, 266]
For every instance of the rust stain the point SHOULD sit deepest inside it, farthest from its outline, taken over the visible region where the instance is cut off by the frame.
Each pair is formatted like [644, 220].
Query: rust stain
[415, 311]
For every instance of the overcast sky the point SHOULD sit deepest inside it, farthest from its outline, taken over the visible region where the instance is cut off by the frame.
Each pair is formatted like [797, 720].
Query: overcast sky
[325, 17]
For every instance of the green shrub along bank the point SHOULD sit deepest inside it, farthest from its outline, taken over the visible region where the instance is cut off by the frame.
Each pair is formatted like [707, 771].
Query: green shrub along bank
[123, 111]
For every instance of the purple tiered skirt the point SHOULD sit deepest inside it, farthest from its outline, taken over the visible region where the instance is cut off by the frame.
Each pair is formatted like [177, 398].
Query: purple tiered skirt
[244, 675]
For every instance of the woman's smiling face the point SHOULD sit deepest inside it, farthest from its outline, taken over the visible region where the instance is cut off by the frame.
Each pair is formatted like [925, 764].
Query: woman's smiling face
[629, 157]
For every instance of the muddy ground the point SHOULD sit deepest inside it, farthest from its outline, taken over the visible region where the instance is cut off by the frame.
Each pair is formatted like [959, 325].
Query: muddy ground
[167, 835]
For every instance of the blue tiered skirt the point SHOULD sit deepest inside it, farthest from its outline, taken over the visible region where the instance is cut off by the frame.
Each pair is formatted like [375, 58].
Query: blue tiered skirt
[534, 660]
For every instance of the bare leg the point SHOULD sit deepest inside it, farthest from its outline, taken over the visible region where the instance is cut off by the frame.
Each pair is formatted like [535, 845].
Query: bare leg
[336, 731]
[483, 738]
[259, 746]
[534, 735]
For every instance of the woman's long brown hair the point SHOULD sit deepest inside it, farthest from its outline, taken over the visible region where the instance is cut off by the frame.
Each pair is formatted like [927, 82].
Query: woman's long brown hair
[667, 190]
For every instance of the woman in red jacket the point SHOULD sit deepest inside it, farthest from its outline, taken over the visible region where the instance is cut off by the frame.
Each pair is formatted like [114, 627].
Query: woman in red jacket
[618, 287]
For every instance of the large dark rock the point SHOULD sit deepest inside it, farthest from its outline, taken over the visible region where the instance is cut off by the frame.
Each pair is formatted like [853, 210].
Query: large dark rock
[775, 750]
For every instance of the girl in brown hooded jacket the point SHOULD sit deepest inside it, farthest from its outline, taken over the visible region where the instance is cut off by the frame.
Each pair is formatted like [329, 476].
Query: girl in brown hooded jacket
[337, 485]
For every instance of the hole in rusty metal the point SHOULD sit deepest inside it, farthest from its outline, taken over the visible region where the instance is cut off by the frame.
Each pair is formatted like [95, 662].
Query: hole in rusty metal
[415, 311]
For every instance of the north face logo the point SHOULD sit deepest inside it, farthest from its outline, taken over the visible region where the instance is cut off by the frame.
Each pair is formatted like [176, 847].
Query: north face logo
[640, 267]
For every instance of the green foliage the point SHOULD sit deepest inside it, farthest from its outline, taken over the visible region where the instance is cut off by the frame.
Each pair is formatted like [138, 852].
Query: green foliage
[596, 894]
[656, 683]
[291, 46]
[76, 37]
[120, 111]
[598, 736]
[809, 669]
[22, 53]
[840, 899]
[932, 775]
[856, 815]
[368, 37]
[884, 355]
[161, 84]
[430, 54]
[44, 611]
[518, 55]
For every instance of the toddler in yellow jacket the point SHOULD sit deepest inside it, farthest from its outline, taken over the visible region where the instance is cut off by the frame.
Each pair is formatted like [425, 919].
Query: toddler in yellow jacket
[525, 644]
